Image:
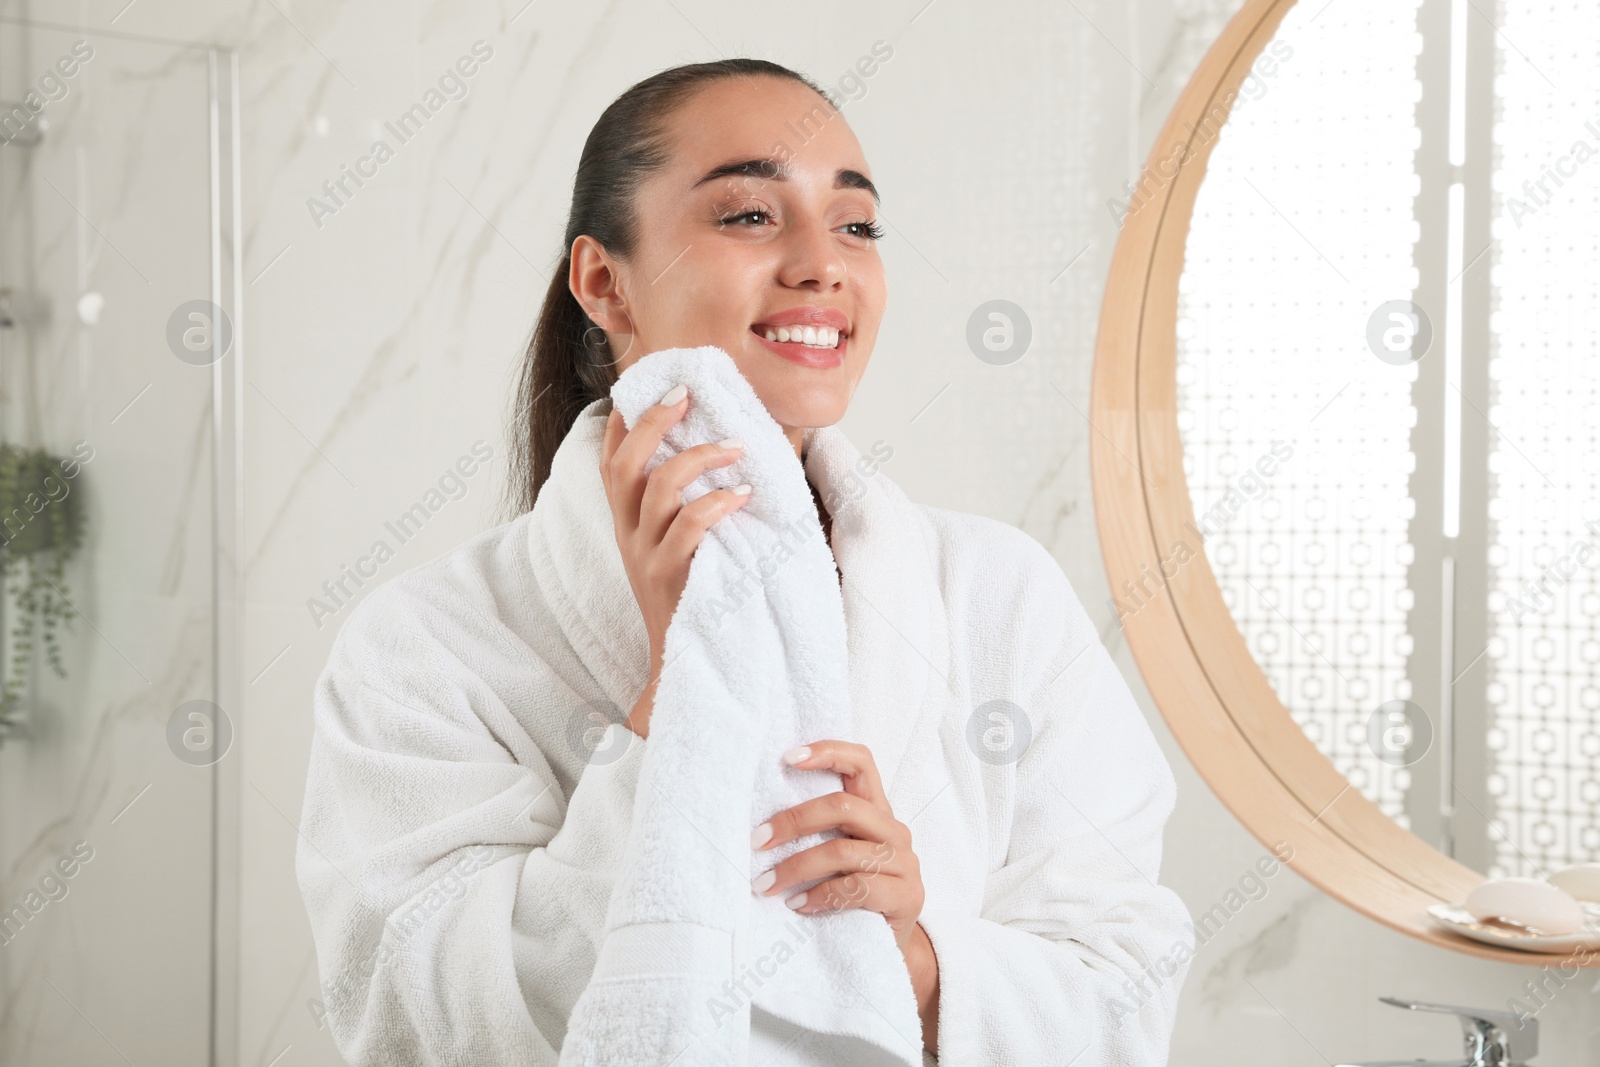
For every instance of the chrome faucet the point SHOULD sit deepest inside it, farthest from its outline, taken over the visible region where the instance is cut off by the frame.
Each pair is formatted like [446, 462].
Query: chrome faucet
[1491, 1038]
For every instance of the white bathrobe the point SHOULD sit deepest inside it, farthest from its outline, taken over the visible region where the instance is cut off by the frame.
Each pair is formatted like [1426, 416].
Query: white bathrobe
[471, 789]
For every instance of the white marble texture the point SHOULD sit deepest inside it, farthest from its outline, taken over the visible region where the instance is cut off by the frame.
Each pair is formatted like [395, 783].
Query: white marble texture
[384, 343]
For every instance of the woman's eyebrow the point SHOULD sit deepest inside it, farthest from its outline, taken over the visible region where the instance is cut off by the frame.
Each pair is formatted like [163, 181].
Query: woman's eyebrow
[769, 168]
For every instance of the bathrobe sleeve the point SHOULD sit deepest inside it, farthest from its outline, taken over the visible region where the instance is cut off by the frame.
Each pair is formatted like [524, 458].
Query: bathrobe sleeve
[456, 892]
[1078, 953]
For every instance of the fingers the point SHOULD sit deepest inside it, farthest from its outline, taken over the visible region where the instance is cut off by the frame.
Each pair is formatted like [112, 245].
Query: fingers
[663, 493]
[853, 873]
[854, 815]
[652, 503]
[608, 446]
[893, 898]
[623, 467]
[853, 761]
[876, 843]
[688, 528]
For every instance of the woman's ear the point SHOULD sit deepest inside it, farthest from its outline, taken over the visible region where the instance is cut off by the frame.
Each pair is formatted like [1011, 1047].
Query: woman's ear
[592, 278]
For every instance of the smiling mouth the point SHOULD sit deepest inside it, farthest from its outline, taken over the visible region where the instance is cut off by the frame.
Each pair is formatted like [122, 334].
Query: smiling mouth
[821, 338]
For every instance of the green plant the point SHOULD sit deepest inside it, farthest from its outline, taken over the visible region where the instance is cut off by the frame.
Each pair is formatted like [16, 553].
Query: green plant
[41, 526]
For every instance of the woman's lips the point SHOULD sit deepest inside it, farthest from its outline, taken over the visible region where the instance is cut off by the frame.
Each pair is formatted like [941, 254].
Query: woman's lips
[805, 355]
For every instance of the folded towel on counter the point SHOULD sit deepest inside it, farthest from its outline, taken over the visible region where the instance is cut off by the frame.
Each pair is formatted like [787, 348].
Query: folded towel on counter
[498, 872]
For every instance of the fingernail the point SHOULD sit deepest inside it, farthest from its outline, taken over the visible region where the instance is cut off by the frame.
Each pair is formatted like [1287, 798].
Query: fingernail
[764, 883]
[795, 755]
[742, 489]
[731, 442]
[797, 901]
[675, 394]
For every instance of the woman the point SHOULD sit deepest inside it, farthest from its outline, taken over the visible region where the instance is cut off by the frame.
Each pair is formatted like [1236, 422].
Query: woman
[1003, 777]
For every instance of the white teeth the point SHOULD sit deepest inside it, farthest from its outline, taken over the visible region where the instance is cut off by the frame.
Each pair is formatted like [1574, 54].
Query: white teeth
[810, 336]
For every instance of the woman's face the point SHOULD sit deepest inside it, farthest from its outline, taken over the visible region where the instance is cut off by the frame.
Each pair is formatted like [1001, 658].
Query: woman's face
[732, 249]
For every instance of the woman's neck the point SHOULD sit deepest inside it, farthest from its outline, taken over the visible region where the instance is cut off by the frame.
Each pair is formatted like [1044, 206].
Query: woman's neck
[796, 437]
[822, 515]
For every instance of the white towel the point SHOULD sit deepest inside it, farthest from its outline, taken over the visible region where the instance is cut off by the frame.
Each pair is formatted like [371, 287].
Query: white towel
[755, 665]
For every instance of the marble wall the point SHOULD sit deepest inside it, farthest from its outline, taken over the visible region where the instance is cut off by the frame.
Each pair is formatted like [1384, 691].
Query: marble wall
[384, 337]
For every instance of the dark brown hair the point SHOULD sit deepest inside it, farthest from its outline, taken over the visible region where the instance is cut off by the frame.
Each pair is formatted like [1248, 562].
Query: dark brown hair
[569, 364]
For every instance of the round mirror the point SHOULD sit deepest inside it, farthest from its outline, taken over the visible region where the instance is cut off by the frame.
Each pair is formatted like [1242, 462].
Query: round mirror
[1387, 395]
[1350, 415]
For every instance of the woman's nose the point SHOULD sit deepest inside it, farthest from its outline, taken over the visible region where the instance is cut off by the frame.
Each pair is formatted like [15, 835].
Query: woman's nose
[812, 258]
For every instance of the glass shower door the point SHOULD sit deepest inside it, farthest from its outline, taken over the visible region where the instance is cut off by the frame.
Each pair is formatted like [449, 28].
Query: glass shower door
[116, 513]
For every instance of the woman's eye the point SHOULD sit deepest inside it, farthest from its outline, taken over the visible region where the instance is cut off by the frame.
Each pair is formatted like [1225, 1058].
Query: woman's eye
[762, 217]
[870, 230]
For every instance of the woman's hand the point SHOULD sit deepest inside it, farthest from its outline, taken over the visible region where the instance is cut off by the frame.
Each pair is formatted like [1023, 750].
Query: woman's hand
[656, 532]
[873, 866]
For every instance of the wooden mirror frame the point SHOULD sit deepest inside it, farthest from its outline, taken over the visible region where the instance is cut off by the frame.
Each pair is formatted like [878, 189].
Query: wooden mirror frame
[1209, 688]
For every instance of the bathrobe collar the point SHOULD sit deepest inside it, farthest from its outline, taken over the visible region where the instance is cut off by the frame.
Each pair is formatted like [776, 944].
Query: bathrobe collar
[894, 620]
